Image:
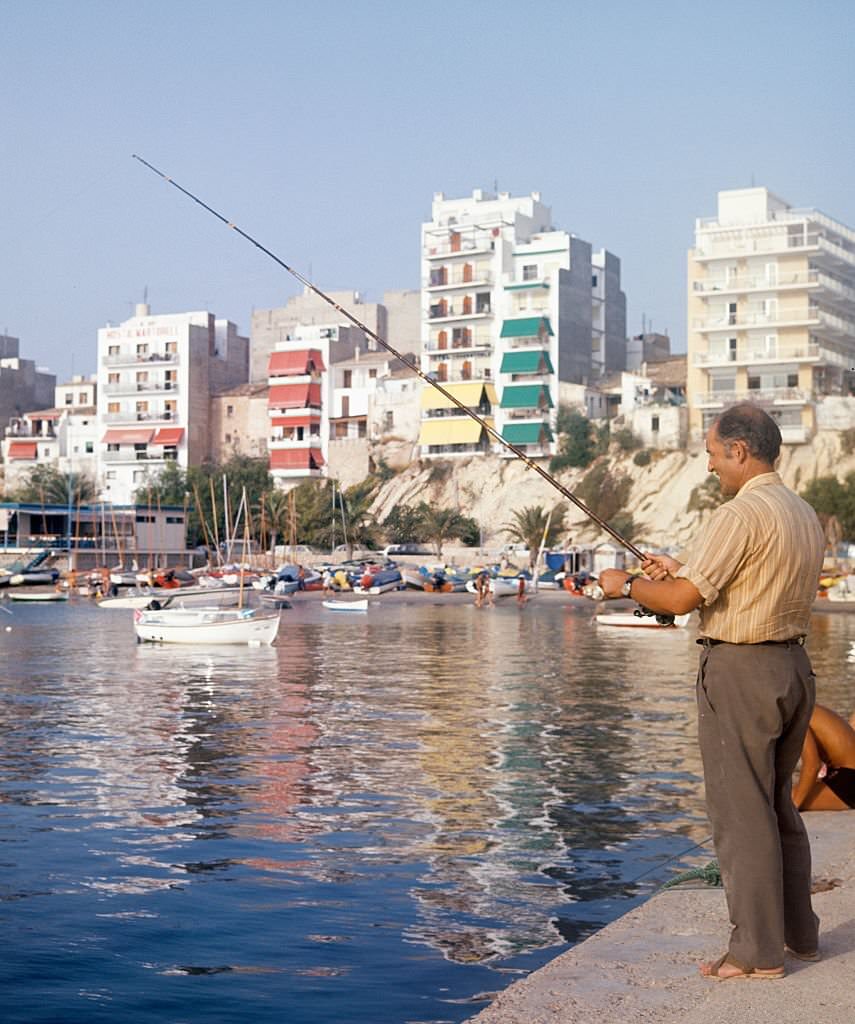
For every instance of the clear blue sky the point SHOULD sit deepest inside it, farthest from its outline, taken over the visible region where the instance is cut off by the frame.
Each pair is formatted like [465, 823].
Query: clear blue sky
[324, 129]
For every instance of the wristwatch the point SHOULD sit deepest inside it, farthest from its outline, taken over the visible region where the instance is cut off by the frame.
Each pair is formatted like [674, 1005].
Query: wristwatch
[626, 589]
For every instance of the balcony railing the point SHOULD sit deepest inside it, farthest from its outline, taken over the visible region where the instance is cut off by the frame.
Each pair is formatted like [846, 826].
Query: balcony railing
[476, 341]
[770, 396]
[131, 387]
[132, 358]
[741, 320]
[761, 282]
[457, 278]
[746, 243]
[140, 417]
[743, 354]
[455, 311]
[130, 455]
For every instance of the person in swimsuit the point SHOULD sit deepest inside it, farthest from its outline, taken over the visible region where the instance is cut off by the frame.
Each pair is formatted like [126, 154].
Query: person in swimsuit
[827, 779]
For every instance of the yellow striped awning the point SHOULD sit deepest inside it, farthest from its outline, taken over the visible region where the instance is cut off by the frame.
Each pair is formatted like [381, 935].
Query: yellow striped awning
[468, 392]
[448, 430]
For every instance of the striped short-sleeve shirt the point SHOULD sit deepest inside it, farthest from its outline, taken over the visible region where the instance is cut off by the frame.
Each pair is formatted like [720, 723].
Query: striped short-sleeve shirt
[757, 565]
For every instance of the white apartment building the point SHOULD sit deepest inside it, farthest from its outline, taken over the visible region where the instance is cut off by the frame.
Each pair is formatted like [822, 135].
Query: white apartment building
[771, 311]
[156, 375]
[64, 436]
[512, 307]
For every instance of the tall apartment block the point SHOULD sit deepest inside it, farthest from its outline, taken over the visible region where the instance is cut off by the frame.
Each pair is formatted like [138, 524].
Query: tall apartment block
[771, 311]
[512, 308]
[156, 375]
[23, 385]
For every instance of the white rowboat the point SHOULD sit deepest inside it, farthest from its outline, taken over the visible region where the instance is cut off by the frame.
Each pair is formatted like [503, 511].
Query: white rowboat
[630, 620]
[347, 606]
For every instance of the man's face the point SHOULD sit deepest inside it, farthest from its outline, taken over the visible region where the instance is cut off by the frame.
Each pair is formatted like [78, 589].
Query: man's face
[723, 462]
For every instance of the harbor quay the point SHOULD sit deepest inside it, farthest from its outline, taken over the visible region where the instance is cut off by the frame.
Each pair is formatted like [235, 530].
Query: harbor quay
[643, 967]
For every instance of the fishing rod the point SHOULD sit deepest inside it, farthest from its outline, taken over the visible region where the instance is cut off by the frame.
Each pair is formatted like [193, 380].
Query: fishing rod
[520, 454]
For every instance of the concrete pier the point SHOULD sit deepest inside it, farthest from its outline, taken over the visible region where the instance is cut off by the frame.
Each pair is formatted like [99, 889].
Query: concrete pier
[643, 968]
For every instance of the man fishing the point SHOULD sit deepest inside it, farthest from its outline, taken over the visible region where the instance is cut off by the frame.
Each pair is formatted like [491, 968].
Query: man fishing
[753, 575]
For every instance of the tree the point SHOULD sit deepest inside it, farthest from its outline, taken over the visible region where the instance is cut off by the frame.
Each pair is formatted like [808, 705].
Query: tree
[576, 445]
[441, 524]
[604, 491]
[528, 527]
[47, 486]
[362, 528]
[830, 497]
[706, 495]
[403, 525]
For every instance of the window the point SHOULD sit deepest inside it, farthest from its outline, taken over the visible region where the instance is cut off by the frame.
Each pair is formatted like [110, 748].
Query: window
[230, 410]
[593, 280]
[372, 374]
[654, 424]
[389, 420]
[89, 447]
[142, 349]
[753, 383]
[141, 452]
[731, 349]
[112, 448]
[114, 407]
[792, 380]
[81, 398]
[228, 438]
[731, 312]
[170, 452]
[361, 428]
[139, 476]
[113, 350]
[172, 346]
[348, 379]
[69, 397]
[482, 302]
[111, 474]
[529, 272]
[142, 408]
[112, 378]
[345, 405]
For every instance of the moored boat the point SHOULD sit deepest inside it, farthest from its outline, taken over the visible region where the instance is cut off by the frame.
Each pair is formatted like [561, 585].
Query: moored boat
[41, 594]
[347, 606]
[206, 626]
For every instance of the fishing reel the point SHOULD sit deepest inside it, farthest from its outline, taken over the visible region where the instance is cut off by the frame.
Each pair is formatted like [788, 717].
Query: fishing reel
[662, 619]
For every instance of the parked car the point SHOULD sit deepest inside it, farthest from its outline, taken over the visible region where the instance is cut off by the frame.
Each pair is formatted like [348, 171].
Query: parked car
[405, 549]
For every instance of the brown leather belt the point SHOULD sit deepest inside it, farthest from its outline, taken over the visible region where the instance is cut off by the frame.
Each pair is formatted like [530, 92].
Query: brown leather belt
[707, 641]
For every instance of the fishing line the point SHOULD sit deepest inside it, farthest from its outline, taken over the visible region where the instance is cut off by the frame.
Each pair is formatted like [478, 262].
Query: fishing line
[416, 369]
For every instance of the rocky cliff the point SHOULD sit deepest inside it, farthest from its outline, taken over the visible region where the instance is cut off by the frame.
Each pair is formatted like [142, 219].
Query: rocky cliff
[489, 488]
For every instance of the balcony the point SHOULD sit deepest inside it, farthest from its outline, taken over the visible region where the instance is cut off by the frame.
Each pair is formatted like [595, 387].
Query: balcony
[743, 355]
[742, 242]
[458, 311]
[133, 359]
[462, 247]
[131, 455]
[140, 417]
[755, 282]
[804, 316]
[456, 277]
[133, 387]
[766, 396]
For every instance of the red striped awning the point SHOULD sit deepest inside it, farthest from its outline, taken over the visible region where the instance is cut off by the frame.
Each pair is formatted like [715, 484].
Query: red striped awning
[169, 435]
[295, 421]
[295, 361]
[141, 435]
[22, 450]
[294, 396]
[295, 458]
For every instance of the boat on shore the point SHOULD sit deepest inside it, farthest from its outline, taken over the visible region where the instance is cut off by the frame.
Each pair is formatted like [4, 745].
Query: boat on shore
[347, 606]
[40, 594]
[226, 595]
[206, 626]
[633, 620]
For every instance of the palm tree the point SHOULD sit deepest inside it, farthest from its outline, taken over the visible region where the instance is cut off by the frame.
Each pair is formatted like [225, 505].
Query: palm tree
[534, 526]
[441, 524]
[275, 510]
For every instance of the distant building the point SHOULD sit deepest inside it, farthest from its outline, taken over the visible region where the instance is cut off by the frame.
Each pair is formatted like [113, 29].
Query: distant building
[156, 375]
[240, 423]
[274, 327]
[23, 386]
[63, 437]
[512, 308]
[653, 403]
[646, 348]
[771, 311]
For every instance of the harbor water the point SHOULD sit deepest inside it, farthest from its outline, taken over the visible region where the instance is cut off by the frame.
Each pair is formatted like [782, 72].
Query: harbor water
[383, 818]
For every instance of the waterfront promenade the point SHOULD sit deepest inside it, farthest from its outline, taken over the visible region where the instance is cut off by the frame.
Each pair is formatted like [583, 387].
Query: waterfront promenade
[642, 968]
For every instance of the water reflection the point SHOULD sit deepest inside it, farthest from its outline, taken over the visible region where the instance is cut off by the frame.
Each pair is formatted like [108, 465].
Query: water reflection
[474, 784]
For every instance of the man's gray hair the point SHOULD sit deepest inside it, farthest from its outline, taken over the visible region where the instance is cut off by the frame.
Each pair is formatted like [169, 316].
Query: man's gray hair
[749, 423]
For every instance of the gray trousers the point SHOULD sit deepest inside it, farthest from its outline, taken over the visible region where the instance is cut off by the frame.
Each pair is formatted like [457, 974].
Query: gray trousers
[754, 705]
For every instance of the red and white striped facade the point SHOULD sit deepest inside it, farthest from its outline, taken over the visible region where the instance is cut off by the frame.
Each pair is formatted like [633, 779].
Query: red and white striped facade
[299, 418]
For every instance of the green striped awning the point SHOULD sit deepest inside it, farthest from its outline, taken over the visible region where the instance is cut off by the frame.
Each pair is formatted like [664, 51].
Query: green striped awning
[526, 361]
[526, 396]
[527, 327]
[527, 433]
